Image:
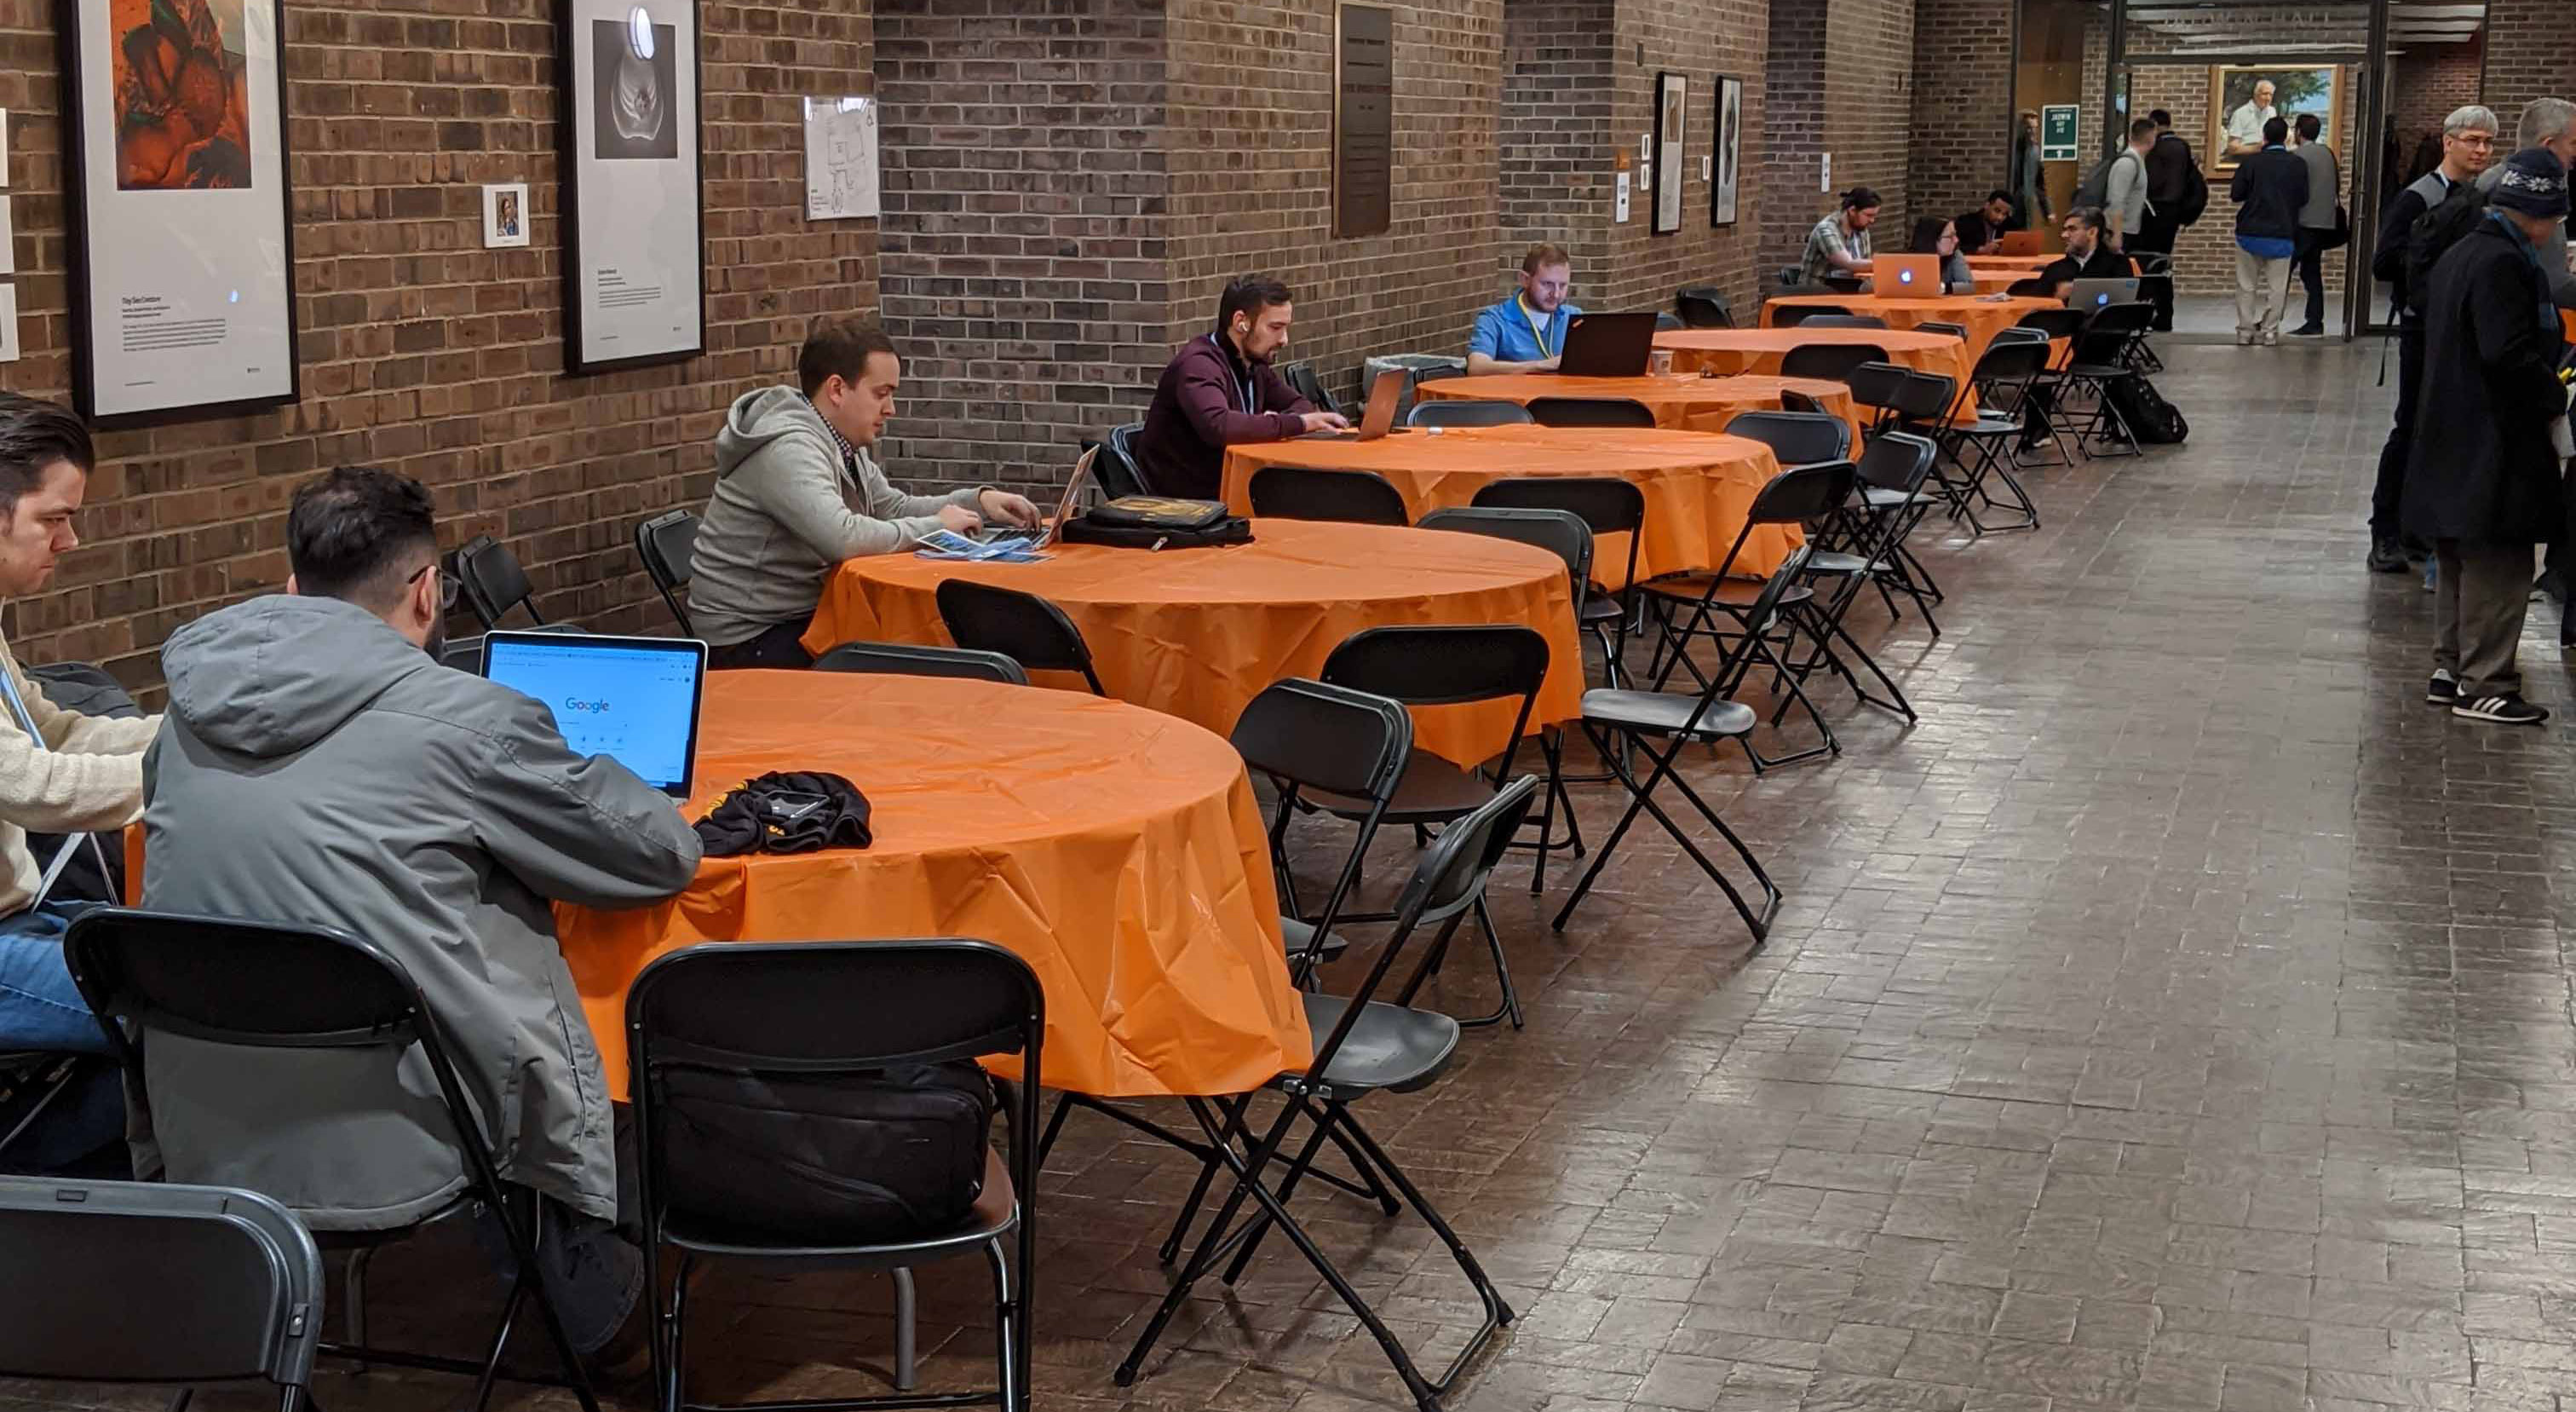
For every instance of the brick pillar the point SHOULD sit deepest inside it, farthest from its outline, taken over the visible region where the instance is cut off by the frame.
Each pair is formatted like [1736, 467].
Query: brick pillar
[2530, 53]
[1963, 104]
[1793, 134]
[1556, 141]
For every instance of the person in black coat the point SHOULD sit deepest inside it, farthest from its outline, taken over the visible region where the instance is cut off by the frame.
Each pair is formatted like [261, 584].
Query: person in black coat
[2484, 486]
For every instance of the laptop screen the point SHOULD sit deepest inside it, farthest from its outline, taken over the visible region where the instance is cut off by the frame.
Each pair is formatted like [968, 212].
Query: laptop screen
[633, 699]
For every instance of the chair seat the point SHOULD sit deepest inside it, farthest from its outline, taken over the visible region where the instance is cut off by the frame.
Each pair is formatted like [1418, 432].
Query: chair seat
[1391, 1047]
[1988, 424]
[1600, 609]
[1879, 498]
[995, 1212]
[1835, 561]
[1731, 593]
[1431, 791]
[2097, 370]
[1300, 935]
[1665, 713]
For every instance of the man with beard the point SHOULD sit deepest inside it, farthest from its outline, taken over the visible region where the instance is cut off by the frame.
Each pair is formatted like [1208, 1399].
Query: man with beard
[1526, 333]
[1221, 390]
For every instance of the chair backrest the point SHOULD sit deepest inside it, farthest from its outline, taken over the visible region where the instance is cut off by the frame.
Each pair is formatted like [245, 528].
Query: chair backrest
[1703, 308]
[1303, 380]
[1330, 738]
[2056, 323]
[1874, 382]
[1896, 460]
[1115, 470]
[1925, 398]
[1559, 532]
[152, 1282]
[1441, 664]
[1459, 412]
[1437, 372]
[2017, 334]
[1958, 331]
[1605, 504]
[665, 543]
[493, 582]
[1792, 400]
[1668, 322]
[2031, 288]
[1830, 362]
[1795, 438]
[1590, 412]
[1029, 630]
[1841, 281]
[1843, 321]
[1303, 493]
[1792, 315]
[1802, 493]
[2012, 359]
[904, 659]
[2109, 330]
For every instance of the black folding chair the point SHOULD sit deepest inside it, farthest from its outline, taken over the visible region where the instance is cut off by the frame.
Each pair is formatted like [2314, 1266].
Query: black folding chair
[1703, 308]
[1591, 412]
[1362, 1045]
[2032, 288]
[1606, 505]
[350, 1011]
[1828, 362]
[1843, 321]
[150, 1282]
[2104, 353]
[1856, 547]
[1460, 412]
[665, 543]
[1876, 384]
[2008, 386]
[1957, 331]
[807, 1018]
[1795, 438]
[492, 582]
[1303, 380]
[1792, 400]
[1892, 480]
[1302, 493]
[1029, 630]
[1115, 470]
[1619, 721]
[903, 659]
[1792, 315]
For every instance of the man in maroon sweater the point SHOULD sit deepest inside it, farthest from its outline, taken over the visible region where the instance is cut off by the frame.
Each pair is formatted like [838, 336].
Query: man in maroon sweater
[1220, 390]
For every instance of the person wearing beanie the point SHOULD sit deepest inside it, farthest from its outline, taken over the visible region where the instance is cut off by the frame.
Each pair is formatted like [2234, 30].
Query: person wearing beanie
[2485, 489]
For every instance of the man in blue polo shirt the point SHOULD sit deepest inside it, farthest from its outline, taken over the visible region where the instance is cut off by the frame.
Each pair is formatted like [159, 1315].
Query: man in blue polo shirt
[1526, 333]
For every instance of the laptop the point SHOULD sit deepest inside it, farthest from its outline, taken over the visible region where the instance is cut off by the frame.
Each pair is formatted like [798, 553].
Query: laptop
[1379, 418]
[1905, 276]
[2092, 294]
[2020, 242]
[632, 699]
[1607, 345]
[1066, 507]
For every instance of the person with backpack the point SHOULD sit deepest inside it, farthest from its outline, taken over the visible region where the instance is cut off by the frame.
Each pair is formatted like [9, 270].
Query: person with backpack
[2486, 488]
[2547, 123]
[2122, 197]
[2468, 145]
[2269, 188]
[2177, 194]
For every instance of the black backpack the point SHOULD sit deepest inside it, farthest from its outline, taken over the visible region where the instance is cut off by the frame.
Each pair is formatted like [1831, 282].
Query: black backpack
[2195, 195]
[894, 1155]
[2432, 236]
[2150, 418]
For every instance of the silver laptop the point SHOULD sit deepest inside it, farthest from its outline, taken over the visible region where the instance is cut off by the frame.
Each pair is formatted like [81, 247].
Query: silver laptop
[1065, 508]
[2091, 294]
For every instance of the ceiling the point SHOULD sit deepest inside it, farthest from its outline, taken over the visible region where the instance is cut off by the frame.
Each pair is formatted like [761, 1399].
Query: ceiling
[2330, 26]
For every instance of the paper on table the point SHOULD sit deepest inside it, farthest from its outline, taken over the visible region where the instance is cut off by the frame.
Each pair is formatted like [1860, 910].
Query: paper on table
[840, 159]
[8, 323]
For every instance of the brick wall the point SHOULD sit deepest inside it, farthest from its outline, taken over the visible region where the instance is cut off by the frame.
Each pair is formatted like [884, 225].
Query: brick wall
[1023, 271]
[386, 103]
[1793, 133]
[2530, 53]
[1698, 39]
[2432, 80]
[1840, 80]
[1251, 176]
[1555, 130]
[1963, 104]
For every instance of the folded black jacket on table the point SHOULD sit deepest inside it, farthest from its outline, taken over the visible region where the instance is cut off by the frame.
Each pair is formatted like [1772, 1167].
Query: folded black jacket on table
[787, 812]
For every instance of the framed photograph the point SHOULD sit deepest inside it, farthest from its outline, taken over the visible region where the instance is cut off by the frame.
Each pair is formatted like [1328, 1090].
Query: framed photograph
[2243, 96]
[635, 272]
[505, 215]
[1730, 143]
[1672, 91]
[182, 256]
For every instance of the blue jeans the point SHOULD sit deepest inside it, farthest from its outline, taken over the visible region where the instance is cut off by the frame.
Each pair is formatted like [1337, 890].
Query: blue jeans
[40, 1008]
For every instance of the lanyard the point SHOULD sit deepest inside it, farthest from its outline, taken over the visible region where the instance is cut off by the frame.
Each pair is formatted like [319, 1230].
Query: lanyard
[26, 721]
[1538, 326]
[1243, 386]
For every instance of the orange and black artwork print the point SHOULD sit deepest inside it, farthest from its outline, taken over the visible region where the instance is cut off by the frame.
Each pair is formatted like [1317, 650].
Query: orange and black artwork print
[182, 95]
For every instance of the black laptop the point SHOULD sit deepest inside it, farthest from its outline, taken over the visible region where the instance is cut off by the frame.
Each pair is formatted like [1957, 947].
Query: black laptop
[1607, 345]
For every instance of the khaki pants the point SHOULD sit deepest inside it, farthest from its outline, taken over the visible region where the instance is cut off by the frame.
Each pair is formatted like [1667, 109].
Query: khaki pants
[2262, 290]
[2479, 597]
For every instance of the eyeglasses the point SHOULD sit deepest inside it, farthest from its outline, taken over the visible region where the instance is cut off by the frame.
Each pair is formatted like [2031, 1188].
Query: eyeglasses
[2475, 139]
[446, 586]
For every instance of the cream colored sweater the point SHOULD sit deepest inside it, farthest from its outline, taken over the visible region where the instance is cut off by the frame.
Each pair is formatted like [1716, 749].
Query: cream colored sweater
[89, 777]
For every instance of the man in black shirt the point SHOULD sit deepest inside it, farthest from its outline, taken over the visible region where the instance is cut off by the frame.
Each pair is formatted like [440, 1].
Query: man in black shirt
[1981, 231]
[2086, 257]
[2169, 169]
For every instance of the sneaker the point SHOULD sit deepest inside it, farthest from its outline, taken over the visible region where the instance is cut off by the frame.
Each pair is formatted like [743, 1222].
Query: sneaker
[2244, 339]
[2309, 331]
[2506, 710]
[2386, 557]
[2271, 338]
[2443, 689]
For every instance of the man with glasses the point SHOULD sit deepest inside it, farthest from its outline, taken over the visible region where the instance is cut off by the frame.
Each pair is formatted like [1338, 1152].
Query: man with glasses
[1526, 333]
[60, 772]
[2468, 146]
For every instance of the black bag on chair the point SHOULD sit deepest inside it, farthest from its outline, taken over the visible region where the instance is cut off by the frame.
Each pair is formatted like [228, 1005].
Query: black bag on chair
[2150, 418]
[835, 1159]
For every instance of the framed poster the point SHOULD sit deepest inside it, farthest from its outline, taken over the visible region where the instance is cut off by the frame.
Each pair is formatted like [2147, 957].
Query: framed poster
[2242, 97]
[1671, 92]
[1363, 118]
[182, 257]
[635, 273]
[1730, 144]
[2059, 139]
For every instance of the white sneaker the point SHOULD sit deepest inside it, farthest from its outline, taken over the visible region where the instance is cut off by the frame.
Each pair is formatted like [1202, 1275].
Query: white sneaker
[2244, 339]
[2271, 338]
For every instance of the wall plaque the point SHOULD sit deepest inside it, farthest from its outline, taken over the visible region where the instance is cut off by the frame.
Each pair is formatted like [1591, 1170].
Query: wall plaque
[1363, 119]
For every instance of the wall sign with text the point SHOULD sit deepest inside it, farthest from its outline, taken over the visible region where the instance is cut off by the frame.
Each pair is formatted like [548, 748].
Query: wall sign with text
[1363, 119]
[634, 267]
[2057, 135]
[182, 296]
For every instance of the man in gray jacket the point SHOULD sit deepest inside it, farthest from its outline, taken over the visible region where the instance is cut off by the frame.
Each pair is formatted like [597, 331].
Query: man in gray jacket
[797, 493]
[318, 765]
[2549, 123]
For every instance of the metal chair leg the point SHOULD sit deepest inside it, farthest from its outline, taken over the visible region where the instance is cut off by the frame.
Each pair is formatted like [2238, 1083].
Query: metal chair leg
[905, 1308]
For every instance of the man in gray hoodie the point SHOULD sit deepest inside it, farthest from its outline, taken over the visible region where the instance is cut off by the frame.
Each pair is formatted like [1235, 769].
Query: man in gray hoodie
[318, 765]
[797, 493]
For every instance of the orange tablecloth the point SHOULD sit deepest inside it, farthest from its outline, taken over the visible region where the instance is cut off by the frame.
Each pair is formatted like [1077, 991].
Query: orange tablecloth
[1199, 632]
[1987, 280]
[1118, 851]
[1982, 318]
[1680, 402]
[2567, 323]
[1698, 487]
[1731, 351]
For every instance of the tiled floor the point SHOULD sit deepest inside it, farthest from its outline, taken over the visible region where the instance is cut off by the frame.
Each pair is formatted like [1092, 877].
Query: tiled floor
[2176, 1019]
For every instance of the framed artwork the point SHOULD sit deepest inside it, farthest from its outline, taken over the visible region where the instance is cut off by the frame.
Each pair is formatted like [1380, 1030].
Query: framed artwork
[505, 215]
[1672, 91]
[635, 273]
[1730, 143]
[2243, 96]
[182, 256]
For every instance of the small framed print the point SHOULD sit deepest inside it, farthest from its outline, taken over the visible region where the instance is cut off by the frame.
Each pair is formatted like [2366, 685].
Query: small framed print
[505, 215]
[1672, 91]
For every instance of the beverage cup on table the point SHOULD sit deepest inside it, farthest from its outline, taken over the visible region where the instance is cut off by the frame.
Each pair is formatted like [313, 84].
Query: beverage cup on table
[1661, 362]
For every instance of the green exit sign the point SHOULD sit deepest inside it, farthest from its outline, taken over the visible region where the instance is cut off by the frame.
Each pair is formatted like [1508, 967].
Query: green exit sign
[2057, 132]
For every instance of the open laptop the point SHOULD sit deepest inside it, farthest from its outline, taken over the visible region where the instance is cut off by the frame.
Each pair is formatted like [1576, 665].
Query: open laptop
[2020, 242]
[2091, 294]
[1066, 507]
[1905, 276]
[1378, 419]
[633, 699]
[1607, 345]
